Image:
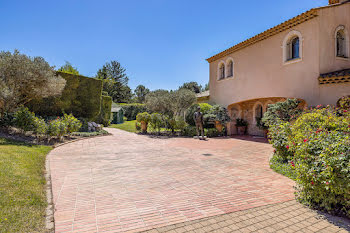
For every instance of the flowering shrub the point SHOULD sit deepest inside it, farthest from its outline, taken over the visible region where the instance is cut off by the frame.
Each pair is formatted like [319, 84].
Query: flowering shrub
[57, 128]
[72, 123]
[40, 127]
[320, 142]
[279, 134]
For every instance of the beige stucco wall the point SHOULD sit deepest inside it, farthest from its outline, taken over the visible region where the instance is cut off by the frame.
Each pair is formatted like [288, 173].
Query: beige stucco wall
[259, 70]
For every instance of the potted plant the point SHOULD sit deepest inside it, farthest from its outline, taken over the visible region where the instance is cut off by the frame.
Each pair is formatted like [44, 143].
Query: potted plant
[143, 118]
[241, 125]
[261, 125]
[219, 116]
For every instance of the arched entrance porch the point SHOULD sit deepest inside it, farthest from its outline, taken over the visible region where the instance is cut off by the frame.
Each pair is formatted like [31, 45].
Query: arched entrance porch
[250, 111]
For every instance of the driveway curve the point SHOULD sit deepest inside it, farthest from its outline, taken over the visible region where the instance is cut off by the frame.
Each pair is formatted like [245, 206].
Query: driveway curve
[129, 182]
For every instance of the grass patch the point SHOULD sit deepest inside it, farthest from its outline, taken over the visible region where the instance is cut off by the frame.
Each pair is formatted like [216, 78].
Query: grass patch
[282, 167]
[127, 126]
[22, 187]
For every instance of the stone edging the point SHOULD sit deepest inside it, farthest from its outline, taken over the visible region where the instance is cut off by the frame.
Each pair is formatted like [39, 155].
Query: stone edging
[50, 221]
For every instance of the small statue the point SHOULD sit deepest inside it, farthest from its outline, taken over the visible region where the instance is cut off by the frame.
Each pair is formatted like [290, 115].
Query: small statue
[198, 119]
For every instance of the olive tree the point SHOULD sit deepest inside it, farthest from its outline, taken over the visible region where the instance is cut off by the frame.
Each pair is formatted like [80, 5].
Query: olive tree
[24, 78]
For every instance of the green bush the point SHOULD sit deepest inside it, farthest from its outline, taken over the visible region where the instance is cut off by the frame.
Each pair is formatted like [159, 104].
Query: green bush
[57, 128]
[131, 110]
[287, 111]
[212, 133]
[191, 110]
[156, 121]
[144, 116]
[40, 126]
[279, 135]
[72, 123]
[189, 131]
[105, 113]
[217, 113]
[24, 119]
[7, 119]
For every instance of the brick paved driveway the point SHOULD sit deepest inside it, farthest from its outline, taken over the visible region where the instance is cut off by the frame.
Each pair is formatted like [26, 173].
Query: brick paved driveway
[128, 182]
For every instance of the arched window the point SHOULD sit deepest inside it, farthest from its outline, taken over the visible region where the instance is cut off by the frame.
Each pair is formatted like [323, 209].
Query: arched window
[230, 68]
[293, 47]
[259, 111]
[222, 71]
[341, 42]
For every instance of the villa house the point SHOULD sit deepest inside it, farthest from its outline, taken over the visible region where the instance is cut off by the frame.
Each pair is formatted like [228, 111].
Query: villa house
[306, 57]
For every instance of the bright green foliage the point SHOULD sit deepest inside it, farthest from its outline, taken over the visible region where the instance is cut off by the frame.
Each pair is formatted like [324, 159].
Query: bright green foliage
[131, 110]
[40, 126]
[105, 113]
[218, 113]
[279, 134]
[68, 68]
[191, 110]
[57, 128]
[145, 117]
[130, 126]
[81, 97]
[282, 111]
[72, 123]
[279, 165]
[156, 121]
[344, 103]
[24, 119]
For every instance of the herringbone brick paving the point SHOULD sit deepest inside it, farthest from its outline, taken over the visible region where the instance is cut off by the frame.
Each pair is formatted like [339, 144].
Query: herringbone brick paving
[128, 182]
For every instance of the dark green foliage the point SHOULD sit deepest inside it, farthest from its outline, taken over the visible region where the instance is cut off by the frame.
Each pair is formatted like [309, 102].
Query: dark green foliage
[241, 122]
[24, 119]
[68, 68]
[131, 110]
[115, 82]
[140, 92]
[105, 114]
[7, 119]
[189, 131]
[279, 165]
[81, 97]
[282, 111]
[192, 86]
[218, 113]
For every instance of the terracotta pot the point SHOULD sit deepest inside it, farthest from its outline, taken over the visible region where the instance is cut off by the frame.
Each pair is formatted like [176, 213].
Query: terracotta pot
[144, 127]
[218, 126]
[241, 130]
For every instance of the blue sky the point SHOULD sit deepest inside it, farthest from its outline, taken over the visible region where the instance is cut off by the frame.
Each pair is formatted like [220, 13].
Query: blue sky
[161, 43]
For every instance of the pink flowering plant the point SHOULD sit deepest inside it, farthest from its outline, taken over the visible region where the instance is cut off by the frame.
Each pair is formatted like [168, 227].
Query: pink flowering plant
[320, 143]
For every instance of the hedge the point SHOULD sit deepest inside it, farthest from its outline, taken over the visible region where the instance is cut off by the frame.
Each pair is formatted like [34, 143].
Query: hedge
[81, 97]
[106, 107]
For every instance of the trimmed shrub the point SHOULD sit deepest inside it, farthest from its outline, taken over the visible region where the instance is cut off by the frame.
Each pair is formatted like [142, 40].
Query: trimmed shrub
[131, 110]
[105, 113]
[81, 97]
[320, 142]
[24, 119]
[217, 113]
[211, 133]
[144, 116]
[189, 131]
[57, 128]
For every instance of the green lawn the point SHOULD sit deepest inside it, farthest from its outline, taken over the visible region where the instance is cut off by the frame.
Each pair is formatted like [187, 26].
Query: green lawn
[22, 187]
[127, 126]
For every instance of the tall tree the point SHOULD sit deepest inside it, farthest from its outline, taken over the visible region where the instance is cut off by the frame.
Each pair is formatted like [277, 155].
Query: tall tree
[140, 92]
[24, 78]
[206, 87]
[115, 81]
[68, 68]
[192, 86]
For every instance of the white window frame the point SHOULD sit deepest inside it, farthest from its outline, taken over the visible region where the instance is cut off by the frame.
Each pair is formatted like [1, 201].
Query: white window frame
[347, 44]
[291, 35]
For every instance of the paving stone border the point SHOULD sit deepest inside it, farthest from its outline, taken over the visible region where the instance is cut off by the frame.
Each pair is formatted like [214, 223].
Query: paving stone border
[50, 221]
